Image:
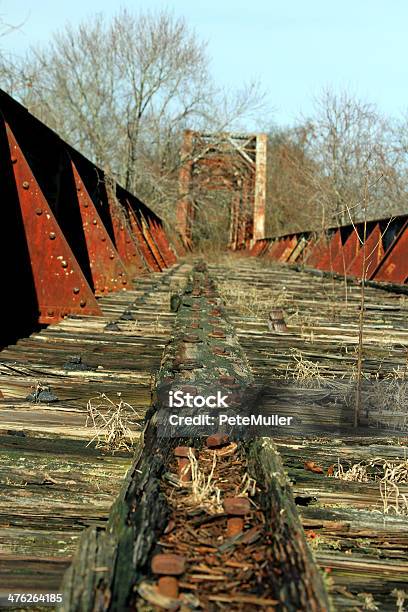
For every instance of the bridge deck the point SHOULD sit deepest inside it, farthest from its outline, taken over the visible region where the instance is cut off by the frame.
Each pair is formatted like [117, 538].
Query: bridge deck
[54, 485]
[363, 550]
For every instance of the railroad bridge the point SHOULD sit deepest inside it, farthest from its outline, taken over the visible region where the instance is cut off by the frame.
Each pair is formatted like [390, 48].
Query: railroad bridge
[106, 311]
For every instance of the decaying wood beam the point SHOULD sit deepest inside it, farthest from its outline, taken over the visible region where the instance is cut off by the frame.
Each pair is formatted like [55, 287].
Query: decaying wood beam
[110, 565]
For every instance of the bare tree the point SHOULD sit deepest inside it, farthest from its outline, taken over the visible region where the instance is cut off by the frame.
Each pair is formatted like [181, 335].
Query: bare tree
[349, 140]
[122, 91]
[293, 202]
[318, 169]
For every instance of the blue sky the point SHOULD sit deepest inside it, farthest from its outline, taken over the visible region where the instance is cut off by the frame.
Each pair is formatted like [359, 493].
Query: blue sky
[294, 47]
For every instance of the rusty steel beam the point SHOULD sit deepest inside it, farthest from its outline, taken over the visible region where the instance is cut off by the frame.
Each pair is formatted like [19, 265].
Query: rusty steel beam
[241, 215]
[152, 243]
[260, 188]
[280, 248]
[145, 249]
[220, 162]
[289, 248]
[240, 228]
[298, 250]
[162, 242]
[234, 211]
[325, 262]
[393, 267]
[107, 269]
[61, 287]
[125, 241]
[307, 250]
[347, 254]
[80, 242]
[184, 213]
[318, 251]
[274, 247]
[373, 252]
[258, 248]
[382, 258]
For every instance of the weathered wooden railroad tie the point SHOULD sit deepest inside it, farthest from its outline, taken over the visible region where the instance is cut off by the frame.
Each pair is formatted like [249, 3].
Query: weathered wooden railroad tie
[203, 522]
[233, 524]
[356, 526]
[53, 485]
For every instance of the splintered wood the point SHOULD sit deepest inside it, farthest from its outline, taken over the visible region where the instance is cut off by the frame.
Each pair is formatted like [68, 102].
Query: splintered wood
[54, 481]
[220, 569]
[357, 528]
[197, 528]
[280, 523]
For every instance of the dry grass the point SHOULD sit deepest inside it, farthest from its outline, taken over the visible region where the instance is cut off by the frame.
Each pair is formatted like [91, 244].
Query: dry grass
[304, 372]
[367, 601]
[204, 492]
[389, 475]
[112, 422]
[251, 300]
[352, 373]
[303, 323]
[390, 398]
[135, 328]
[248, 486]
[400, 596]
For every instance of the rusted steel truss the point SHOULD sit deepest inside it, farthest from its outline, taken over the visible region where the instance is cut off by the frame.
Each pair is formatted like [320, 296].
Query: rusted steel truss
[70, 232]
[381, 257]
[229, 162]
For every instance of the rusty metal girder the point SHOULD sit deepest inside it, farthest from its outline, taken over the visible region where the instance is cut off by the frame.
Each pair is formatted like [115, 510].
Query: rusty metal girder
[373, 253]
[160, 238]
[143, 244]
[241, 225]
[394, 265]
[260, 188]
[235, 163]
[185, 208]
[67, 232]
[346, 254]
[152, 243]
[383, 257]
[107, 269]
[280, 248]
[290, 246]
[258, 248]
[334, 246]
[60, 285]
[298, 250]
[125, 241]
[307, 250]
[274, 247]
[319, 250]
